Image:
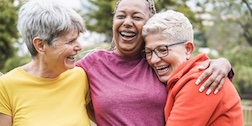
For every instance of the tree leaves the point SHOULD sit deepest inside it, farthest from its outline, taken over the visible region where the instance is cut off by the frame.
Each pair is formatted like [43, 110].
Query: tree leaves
[8, 30]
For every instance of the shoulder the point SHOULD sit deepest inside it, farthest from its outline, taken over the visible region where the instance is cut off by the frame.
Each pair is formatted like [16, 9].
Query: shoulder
[74, 74]
[97, 53]
[77, 71]
[94, 55]
[12, 78]
[13, 73]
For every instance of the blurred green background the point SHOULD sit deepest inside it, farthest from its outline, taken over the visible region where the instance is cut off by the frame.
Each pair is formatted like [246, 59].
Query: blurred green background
[223, 28]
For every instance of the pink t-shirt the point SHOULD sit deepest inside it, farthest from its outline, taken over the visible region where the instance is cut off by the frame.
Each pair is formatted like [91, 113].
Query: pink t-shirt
[124, 91]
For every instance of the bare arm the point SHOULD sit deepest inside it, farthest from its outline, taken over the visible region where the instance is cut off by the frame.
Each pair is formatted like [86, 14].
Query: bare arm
[217, 70]
[5, 120]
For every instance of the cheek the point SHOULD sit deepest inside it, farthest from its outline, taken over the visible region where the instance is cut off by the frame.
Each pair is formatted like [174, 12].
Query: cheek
[65, 51]
[172, 59]
[116, 24]
[178, 60]
[140, 27]
[115, 30]
[150, 63]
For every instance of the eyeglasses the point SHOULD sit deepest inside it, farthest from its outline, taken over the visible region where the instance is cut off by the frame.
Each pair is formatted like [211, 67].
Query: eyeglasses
[160, 51]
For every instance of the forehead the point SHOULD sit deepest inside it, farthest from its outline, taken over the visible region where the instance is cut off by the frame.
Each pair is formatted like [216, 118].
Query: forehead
[68, 36]
[136, 5]
[154, 40]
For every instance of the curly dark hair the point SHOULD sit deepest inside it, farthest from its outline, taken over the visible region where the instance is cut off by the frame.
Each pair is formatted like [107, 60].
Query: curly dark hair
[151, 5]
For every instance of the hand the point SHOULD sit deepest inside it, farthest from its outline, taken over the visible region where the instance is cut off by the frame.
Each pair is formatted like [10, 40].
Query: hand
[217, 70]
[5, 120]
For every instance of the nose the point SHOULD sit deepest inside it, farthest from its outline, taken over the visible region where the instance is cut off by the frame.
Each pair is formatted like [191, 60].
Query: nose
[77, 47]
[154, 58]
[128, 22]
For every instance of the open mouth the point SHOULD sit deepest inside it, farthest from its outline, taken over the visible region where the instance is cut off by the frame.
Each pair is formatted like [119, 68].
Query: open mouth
[162, 69]
[127, 34]
[71, 57]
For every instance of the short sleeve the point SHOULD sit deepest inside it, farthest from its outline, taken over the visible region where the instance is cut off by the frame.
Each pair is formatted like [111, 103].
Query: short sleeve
[87, 61]
[4, 100]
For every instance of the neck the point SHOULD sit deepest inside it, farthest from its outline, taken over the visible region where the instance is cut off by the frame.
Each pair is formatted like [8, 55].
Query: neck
[128, 55]
[40, 69]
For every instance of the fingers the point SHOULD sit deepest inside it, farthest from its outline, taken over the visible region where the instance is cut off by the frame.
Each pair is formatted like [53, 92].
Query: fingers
[204, 75]
[216, 73]
[204, 65]
[210, 81]
[219, 86]
[215, 81]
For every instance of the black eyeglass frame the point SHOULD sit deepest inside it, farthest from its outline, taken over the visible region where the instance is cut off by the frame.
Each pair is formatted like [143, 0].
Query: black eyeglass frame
[157, 54]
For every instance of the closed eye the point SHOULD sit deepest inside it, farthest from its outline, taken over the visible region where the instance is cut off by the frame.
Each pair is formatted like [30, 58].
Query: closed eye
[137, 18]
[120, 16]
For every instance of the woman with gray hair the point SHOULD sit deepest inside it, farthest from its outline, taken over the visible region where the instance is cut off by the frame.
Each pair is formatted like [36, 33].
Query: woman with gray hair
[169, 51]
[49, 90]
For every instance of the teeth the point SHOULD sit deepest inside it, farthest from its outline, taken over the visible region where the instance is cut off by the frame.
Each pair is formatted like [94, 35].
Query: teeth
[127, 34]
[163, 70]
[160, 67]
[70, 57]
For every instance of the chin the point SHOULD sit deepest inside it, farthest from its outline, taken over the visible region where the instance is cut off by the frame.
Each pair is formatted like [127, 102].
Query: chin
[70, 66]
[162, 79]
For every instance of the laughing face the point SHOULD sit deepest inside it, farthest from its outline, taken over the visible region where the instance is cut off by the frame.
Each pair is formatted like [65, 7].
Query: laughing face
[165, 66]
[128, 22]
[61, 55]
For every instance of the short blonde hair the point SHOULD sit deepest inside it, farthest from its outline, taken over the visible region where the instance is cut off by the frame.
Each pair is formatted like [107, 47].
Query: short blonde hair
[174, 26]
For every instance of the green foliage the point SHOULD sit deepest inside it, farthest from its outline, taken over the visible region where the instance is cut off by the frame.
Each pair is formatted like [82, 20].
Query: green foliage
[99, 17]
[8, 19]
[241, 62]
[233, 20]
[181, 6]
[15, 61]
[231, 35]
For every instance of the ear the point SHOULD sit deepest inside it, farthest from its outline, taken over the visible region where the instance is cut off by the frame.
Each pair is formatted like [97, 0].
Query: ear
[189, 49]
[39, 45]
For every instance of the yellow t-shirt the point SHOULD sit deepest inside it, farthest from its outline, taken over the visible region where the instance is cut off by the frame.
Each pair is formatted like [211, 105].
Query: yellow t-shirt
[35, 101]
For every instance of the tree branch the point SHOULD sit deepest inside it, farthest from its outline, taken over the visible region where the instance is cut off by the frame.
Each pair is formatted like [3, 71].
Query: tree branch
[250, 9]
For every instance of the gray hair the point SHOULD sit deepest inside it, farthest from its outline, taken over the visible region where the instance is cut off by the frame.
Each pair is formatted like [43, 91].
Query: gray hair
[48, 21]
[150, 3]
[174, 26]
